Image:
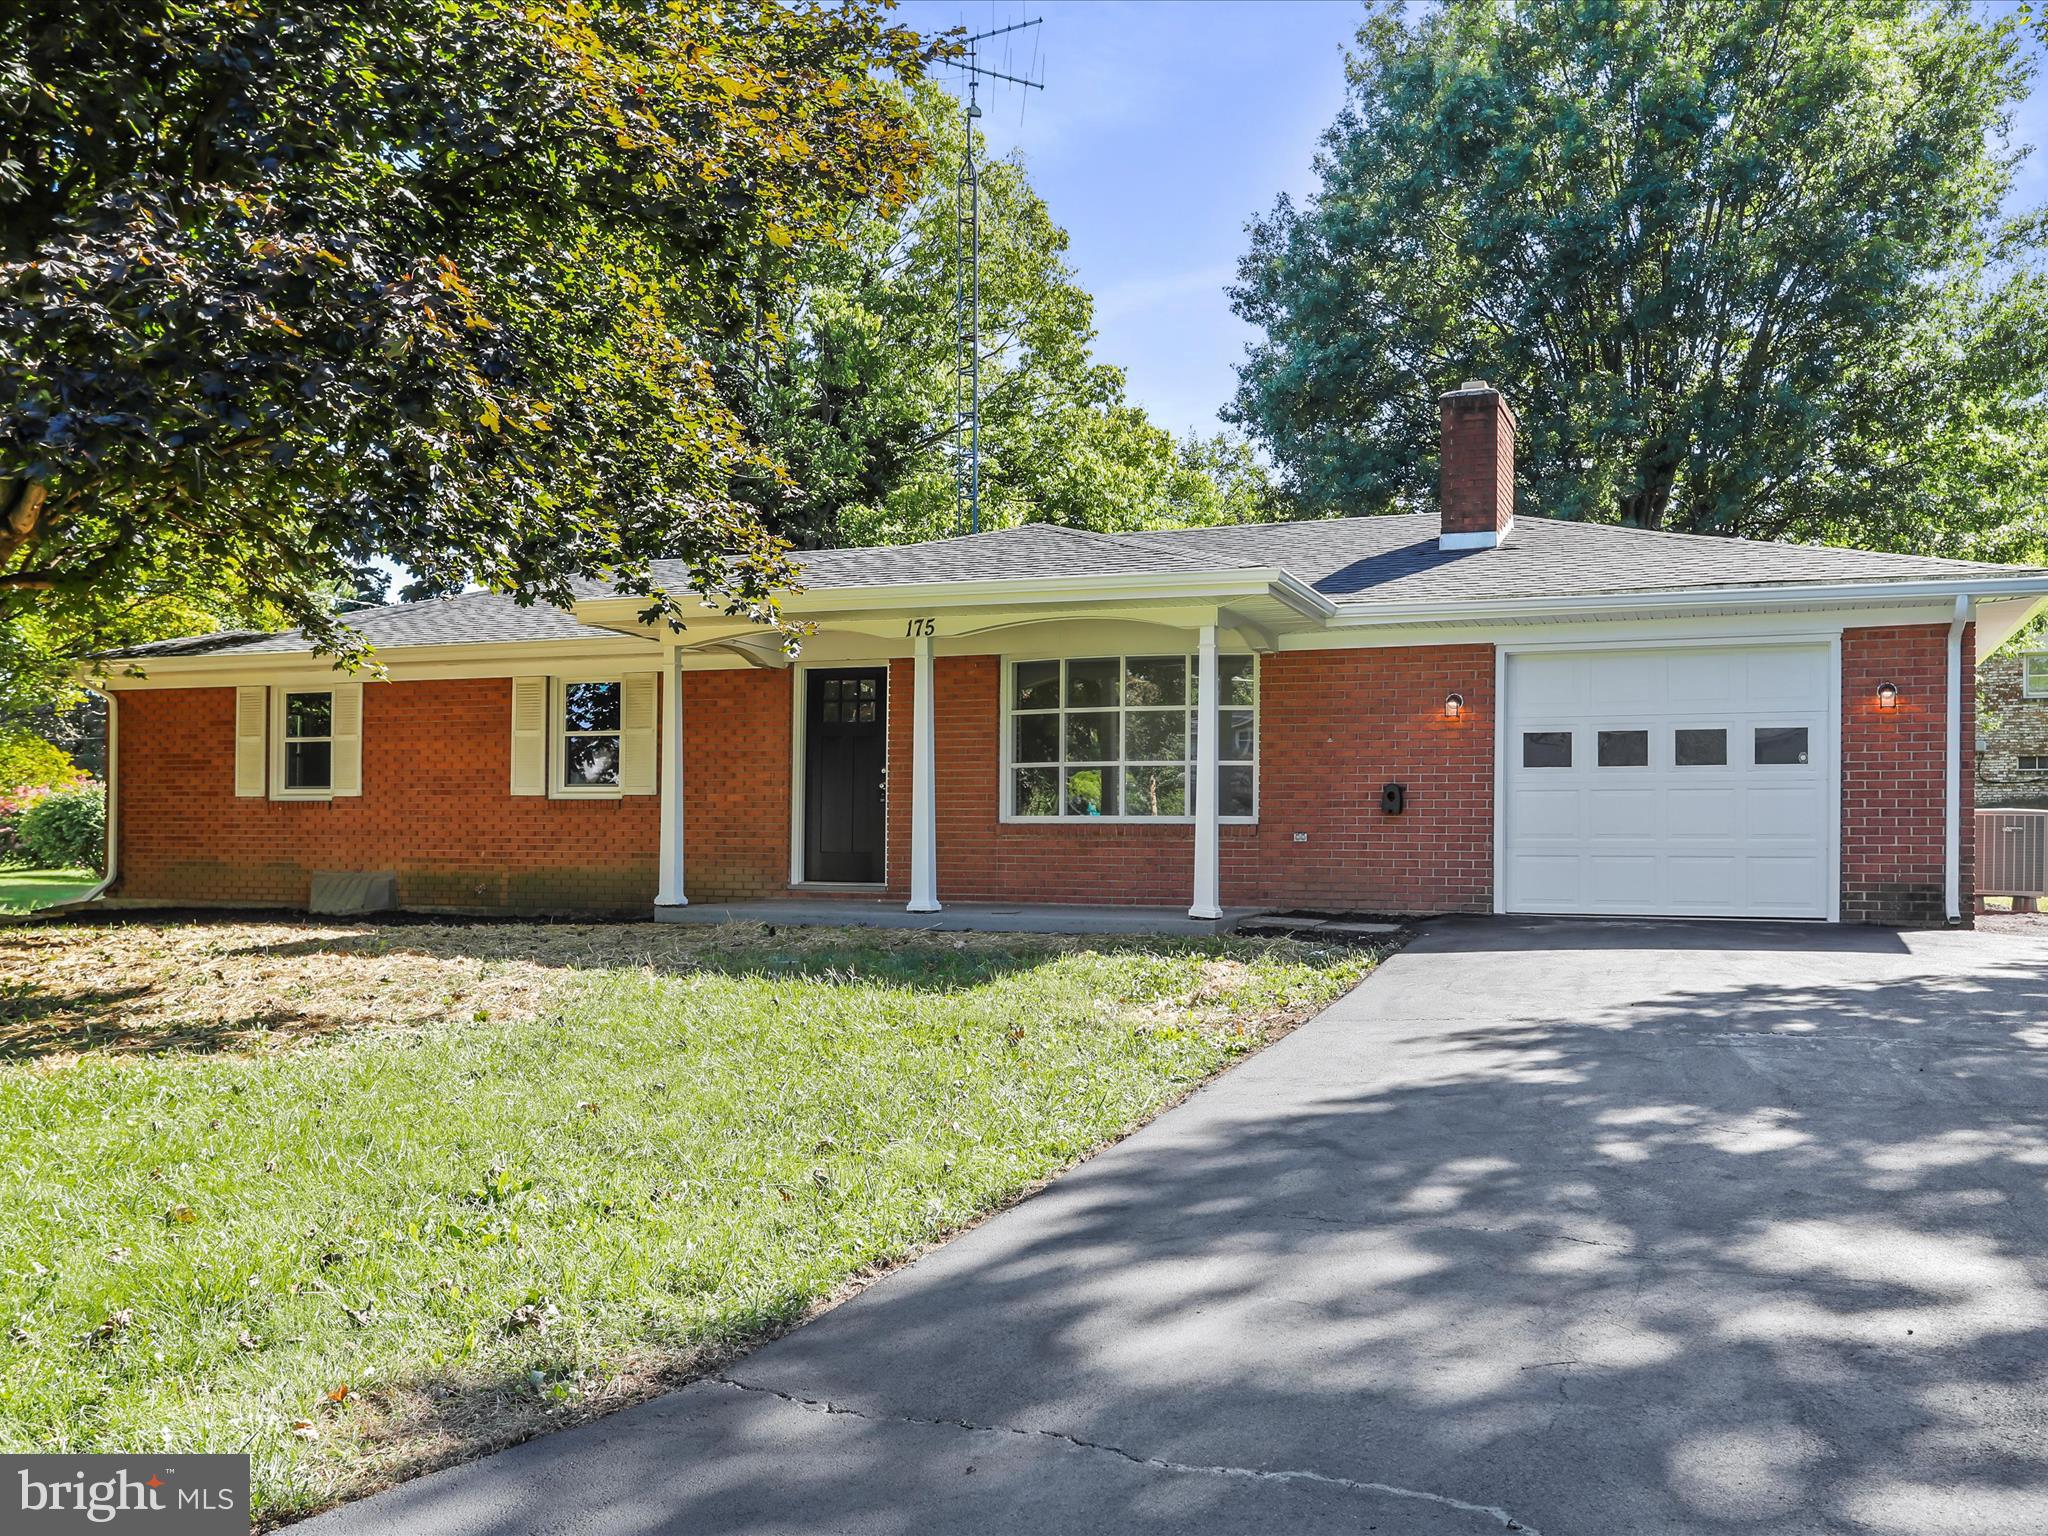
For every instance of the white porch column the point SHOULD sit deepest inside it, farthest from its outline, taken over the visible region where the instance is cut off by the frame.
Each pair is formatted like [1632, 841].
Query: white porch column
[669, 891]
[924, 789]
[1208, 748]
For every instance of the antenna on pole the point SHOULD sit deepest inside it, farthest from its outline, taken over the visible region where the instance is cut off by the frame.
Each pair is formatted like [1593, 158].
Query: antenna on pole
[967, 280]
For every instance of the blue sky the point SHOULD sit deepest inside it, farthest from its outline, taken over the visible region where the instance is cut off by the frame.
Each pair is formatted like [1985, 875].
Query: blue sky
[1166, 125]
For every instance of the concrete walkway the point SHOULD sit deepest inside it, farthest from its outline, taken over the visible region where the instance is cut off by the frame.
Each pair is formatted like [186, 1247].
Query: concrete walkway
[958, 916]
[1565, 1227]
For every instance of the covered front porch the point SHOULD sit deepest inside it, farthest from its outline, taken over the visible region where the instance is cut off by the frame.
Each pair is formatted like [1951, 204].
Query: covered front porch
[922, 827]
[958, 917]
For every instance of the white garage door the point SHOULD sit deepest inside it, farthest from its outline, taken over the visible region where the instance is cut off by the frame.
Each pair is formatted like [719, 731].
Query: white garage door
[1687, 783]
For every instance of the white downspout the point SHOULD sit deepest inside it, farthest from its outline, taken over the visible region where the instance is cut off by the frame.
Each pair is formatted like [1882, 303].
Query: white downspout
[1952, 853]
[113, 853]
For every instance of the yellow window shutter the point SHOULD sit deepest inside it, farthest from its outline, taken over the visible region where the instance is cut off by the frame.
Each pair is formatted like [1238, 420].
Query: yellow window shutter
[638, 692]
[529, 735]
[347, 731]
[252, 718]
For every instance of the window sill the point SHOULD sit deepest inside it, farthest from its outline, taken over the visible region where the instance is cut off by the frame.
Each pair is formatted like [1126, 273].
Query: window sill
[561, 793]
[302, 796]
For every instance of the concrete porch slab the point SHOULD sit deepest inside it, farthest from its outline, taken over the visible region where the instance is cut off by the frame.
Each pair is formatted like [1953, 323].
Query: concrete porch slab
[960, 917]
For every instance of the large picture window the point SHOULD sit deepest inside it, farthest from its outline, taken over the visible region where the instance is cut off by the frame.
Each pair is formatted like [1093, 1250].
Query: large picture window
[1115, 736]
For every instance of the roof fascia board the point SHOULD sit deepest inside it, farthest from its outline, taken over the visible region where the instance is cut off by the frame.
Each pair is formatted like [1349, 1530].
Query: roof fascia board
[1366, 615]
[1155, 586]
[476, 658]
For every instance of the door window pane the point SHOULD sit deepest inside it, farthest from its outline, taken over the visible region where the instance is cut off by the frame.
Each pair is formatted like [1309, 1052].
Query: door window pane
[1038, 739]
[1092, 684]
[1624, 749]
[1702, 748]
[1038, 685]
[1781, 744]
[1546, 749]
[1155, 792]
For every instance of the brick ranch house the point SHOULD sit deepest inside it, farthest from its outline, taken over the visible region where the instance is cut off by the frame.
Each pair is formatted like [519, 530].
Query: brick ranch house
[1479, 714]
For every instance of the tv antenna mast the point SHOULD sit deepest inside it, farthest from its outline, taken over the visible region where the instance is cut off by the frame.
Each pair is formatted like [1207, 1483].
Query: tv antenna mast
[967, 279]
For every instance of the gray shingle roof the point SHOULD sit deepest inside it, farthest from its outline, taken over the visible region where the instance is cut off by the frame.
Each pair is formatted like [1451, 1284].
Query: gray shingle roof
[1394, 559]
[1365, 560]
[468, 619]
[1355, 562]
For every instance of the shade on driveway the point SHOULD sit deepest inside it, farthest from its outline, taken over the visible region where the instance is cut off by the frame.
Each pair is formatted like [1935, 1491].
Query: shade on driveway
[1564, 1227]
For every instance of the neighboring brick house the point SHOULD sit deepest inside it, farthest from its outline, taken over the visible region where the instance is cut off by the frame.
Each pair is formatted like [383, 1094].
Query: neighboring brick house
[2012, 729]
[1470, 712]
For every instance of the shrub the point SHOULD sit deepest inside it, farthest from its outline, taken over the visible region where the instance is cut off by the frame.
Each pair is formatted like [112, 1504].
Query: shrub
[66, 827]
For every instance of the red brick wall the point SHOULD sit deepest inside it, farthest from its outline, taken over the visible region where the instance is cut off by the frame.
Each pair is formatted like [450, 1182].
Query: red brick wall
[1333, 727]
[436, 807]
[737, 739]
[1336, 725]
[1894, 825]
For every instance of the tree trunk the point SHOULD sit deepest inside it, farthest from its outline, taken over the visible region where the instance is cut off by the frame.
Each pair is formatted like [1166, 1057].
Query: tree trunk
[1656, 473]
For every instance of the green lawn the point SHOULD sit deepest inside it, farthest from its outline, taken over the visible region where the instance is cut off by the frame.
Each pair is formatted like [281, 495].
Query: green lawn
[24, 890]
[360, 1200]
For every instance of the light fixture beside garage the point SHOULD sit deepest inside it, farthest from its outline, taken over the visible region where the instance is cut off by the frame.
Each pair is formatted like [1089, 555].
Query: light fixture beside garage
[1887, 695]
[1454, 705]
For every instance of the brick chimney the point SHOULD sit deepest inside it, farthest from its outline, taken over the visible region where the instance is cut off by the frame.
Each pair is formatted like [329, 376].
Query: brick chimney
[1478, 467]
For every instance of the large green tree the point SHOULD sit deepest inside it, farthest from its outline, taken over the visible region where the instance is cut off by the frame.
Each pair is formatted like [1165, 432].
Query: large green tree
[858, 405]
[1740, 265]
[289, 288]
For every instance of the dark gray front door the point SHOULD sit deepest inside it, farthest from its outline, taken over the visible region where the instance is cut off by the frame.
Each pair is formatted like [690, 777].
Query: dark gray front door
[846, 757]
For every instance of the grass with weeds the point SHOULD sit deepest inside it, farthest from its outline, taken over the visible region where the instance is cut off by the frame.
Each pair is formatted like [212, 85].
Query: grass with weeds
[360, 1200]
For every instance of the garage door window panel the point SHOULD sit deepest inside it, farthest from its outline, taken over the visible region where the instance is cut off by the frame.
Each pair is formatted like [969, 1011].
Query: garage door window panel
[1546, 749]
[1781, 745]
[1700, 747]
[1623, 749]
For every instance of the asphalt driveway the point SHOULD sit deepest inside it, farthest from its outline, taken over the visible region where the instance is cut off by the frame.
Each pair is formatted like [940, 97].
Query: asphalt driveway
[1561, 1227]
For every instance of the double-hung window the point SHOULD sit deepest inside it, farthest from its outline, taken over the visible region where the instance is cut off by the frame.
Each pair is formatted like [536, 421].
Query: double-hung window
[1116, 737]
[306, 734]
[2034, 675]
[591, 733]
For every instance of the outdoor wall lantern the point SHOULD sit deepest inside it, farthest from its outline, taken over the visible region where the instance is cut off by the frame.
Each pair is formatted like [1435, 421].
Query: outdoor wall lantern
[1454, 706]
[1887, 695]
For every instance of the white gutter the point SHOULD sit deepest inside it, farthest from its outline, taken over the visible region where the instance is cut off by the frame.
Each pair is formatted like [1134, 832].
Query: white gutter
[1357, 615]
[1156, 586]
[113, 818]
[1952, 852]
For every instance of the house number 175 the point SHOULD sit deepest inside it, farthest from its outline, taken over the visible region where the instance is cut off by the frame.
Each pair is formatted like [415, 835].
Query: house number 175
[917, 628]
